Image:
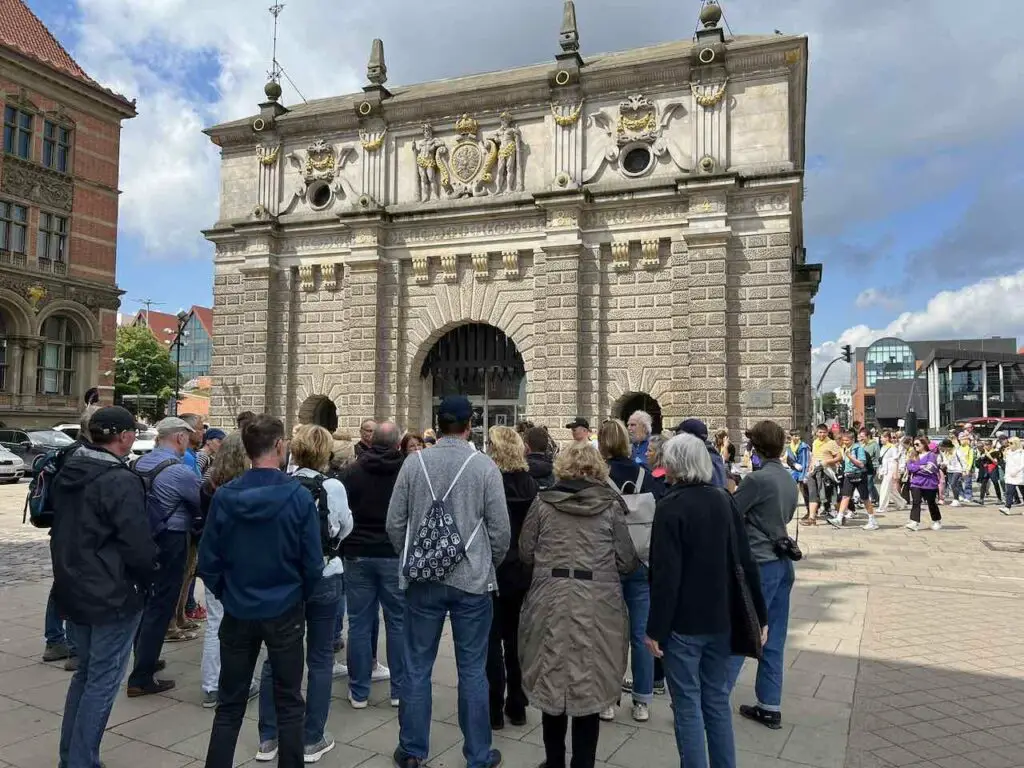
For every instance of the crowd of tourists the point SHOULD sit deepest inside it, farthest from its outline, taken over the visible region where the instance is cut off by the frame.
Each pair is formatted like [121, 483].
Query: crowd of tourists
[880, 470]
[557, 568]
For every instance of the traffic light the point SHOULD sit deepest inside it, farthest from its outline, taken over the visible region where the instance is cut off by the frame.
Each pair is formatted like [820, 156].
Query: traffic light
[847, 353]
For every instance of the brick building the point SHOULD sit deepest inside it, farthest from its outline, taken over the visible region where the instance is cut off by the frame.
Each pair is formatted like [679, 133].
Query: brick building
[58, 226]
[581, 237]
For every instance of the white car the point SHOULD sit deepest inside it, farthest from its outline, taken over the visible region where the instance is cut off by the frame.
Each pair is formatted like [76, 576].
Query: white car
[12, 468]
[145, 441]
[71, 430]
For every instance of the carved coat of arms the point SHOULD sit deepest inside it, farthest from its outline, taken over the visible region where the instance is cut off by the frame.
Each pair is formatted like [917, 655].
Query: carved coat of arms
[639, 122]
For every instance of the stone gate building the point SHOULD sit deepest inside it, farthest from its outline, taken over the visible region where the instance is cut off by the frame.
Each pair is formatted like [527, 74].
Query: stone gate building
[579, 237]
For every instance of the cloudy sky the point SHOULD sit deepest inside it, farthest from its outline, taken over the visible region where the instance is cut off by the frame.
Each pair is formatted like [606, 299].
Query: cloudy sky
[915, 130]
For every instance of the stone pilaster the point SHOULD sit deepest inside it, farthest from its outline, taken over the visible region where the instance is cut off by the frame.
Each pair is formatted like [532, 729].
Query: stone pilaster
[251, 394]
[361, 285]
[676, 402]
[228, 318]
[593, 341]
[389, 320]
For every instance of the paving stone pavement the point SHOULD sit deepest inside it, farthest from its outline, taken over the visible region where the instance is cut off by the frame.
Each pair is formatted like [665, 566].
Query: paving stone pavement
[904, 650]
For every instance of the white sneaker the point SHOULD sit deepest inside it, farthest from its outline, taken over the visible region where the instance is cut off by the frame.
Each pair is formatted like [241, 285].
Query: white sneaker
[1005, 510]
[396, 703]
[358, 704]
[380, 673]
[871, 526]
[837, 521]
[937, 526]
[339, 671]
[954, 503]
[641, 712]
[608, 715]
[912, 526]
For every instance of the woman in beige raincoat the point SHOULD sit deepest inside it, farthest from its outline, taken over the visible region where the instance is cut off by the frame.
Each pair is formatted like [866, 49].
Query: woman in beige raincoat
[573, 632]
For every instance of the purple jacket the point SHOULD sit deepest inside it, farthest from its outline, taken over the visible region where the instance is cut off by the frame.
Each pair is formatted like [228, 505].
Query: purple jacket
[924, 472]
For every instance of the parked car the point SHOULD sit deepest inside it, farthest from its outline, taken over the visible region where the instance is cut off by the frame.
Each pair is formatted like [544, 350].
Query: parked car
[12, 468]
[27, 444]
[145, 441]
[71, 430]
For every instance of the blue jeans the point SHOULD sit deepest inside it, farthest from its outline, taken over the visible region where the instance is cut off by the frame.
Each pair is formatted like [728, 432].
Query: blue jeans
[697, 672]
[160, 606]
[426, 606]
[637, 592]
[776, 585]
[321, 612]
[53, 626]
[102, 657]
[372, 582]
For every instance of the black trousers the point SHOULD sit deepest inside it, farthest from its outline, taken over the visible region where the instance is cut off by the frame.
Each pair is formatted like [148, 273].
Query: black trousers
[929, 496]
[160, 606]
[504, 675]
[985, 477]
[240, 643]
[585, 731]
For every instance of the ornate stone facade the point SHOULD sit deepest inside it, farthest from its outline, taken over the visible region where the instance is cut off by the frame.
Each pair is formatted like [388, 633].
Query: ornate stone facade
[649, 244]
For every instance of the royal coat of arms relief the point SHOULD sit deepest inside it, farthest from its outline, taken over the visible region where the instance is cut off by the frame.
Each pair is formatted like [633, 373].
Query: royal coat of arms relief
[471, 167]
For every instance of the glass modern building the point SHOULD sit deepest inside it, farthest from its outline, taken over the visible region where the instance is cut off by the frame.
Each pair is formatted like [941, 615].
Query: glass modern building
[196, 343]
[944, 381]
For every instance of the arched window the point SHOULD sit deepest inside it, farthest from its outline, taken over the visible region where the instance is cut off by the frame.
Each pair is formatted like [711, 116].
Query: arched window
[888, 359]
[57, 357]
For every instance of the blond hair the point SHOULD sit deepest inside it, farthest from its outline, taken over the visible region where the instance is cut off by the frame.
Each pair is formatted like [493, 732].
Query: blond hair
[581, 460]
[613, 440]
[507, 449]
[311, 447]
[1014, 443]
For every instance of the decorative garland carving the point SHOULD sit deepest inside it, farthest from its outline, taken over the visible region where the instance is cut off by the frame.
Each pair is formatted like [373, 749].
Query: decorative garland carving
[708, 100]
[566, 121]
[267, 155]
[36, 183]
[371, 145]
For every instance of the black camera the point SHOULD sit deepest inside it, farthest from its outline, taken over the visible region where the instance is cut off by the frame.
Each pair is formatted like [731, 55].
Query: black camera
[785, 547]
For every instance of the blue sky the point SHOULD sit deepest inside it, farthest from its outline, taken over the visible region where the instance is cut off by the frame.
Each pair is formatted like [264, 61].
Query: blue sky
[915, 141]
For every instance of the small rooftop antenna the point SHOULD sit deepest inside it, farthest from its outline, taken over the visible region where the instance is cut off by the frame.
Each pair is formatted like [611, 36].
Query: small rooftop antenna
[276, 70]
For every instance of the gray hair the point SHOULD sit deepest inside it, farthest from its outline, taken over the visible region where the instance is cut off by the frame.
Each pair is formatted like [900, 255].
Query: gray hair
[686, 460]
[644, 418]
[657, 445]
[386, 434]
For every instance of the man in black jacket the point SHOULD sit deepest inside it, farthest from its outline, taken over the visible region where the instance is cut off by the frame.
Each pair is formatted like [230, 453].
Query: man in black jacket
[103, 561]
[540, 462]
[371, 564]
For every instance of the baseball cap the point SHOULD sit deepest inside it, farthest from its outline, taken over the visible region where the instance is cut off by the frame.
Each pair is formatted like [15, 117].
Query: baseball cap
[579, 421]
[215, 434]
[455, 408]
[694, 427]
[111, 420]
[170, 425]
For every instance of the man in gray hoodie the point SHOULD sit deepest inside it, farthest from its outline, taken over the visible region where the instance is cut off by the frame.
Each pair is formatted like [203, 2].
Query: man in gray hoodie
[470, 485]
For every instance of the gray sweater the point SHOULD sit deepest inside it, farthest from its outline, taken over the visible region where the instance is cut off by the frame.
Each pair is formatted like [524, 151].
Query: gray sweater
[478, 494]
[767, 496]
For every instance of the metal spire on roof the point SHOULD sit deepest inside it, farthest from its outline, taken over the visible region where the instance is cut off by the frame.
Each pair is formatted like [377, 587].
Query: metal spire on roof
[275, 69]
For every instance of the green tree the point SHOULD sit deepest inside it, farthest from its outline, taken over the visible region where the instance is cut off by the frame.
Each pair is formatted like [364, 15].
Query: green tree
[830, 405]
[143, 366]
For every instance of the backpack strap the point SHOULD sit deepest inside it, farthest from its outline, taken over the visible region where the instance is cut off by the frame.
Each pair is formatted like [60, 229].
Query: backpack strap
[457, 475]
[430, 485]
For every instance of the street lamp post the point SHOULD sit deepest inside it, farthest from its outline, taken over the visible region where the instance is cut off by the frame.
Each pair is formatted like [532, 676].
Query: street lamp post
[182, 320]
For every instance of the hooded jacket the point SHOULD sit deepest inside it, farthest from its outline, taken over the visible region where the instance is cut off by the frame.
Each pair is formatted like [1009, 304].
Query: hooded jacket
[100, 543]
[718, 473]
[542, 469]
[573, 629]
[260, 553]
[370, 481]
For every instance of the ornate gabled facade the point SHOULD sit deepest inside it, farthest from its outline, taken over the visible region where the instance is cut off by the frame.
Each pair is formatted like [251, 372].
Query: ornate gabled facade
[58, 226]
[616, 231]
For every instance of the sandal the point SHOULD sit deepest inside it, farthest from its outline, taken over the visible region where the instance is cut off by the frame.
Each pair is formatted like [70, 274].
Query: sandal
[178, 636]
[808, 521]
[188, 626]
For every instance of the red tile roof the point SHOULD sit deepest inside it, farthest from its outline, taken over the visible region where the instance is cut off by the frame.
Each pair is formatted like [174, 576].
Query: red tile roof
[163, 325]
[22, 31]
[205, 317]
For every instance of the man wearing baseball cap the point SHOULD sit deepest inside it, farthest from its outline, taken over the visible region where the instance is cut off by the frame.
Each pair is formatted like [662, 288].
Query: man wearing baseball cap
[103, 561]
[699, 429]
[172, 503]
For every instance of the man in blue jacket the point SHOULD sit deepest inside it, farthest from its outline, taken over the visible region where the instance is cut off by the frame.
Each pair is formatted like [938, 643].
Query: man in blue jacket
[261, 556]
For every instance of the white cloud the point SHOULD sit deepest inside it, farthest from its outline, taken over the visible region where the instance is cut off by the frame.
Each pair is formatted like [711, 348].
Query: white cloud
[875, 297]
[992, 307]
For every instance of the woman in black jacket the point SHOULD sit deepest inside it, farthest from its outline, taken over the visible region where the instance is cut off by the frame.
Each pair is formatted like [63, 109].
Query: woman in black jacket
[504, 675]
[696, 529]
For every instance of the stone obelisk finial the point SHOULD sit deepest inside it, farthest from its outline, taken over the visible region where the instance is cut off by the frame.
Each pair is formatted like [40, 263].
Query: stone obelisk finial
[569, 36]
[376, 69]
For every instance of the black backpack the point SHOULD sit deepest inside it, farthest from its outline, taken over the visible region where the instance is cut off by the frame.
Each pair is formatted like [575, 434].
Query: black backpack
[157, 520]
[39, 503]
[315, 485]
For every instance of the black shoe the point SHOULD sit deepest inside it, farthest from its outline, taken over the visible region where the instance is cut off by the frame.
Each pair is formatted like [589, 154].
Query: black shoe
[160, 665]
[153, 688]
[768, 719]
[497, 722]
[493, 759]
[56, 652]
[659, 687]
[403, 760]
[518, 719]
[71, 665]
